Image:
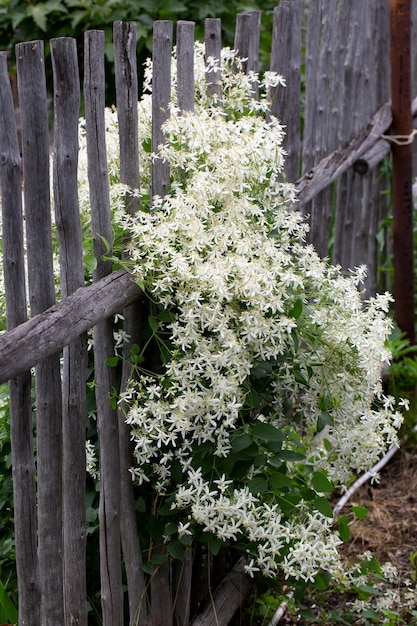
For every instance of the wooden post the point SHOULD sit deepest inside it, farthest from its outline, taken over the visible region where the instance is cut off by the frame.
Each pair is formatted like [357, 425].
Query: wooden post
[107, 420]
[125, 67]
[185, 65]
[213, 45]
[35, 146]
[161, 95]
[66, 114]
[286, 60]
[20, 402]
[246, 44]
[400, 12]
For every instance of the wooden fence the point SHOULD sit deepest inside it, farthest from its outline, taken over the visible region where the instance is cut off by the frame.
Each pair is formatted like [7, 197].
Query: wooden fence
[345, 112]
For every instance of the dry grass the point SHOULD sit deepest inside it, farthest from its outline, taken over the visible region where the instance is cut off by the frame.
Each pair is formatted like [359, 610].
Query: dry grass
[390, 529]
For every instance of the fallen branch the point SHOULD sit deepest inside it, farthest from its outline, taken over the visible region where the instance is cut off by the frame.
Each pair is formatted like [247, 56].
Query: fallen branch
[363, 479]
[30, 343]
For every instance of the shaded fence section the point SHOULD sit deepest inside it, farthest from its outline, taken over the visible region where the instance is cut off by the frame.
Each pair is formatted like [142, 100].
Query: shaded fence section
[344, 113]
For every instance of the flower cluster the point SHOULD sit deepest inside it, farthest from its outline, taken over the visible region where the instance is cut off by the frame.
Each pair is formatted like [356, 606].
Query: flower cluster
[270, 361]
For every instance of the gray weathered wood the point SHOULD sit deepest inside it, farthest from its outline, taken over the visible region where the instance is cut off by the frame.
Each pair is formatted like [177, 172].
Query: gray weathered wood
[246, 43]
[107, 422]
[227, 598]
[46, 333]
[379, 150]
[126, 78]
[213, 45]
[127, 113]
[359, 202]
[182, 604]
[286, 60]
[320, 113]
[20, 401]
[66, 114]
[339, 161]
[161, 96]
[185, 65]
[35, 146]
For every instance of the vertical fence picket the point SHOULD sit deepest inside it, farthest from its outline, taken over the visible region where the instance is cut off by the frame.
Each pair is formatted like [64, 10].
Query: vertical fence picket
[185, 94]
[246, 44]
[213, 50]
[109, 509]
[161, 95]
[321, 114]
[125, 66]
[66, 116]
[185, 65]
[20, 401]
[286, 60]
[35, 146]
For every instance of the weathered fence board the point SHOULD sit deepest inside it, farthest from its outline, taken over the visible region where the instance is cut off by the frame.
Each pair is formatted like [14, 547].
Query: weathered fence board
[74, 365]
[212, 41]
[127, 113]
[286, 60]
[20, 401]
[161, 90]
[35, 147]
[107, 420]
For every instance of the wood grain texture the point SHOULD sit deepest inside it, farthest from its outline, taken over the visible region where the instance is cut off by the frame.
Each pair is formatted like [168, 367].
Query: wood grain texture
[35, 145]
[20, 400]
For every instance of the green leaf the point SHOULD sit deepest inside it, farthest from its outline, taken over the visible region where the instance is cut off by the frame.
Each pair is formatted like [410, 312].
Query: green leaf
[267, 431]
[344, 530]
[323, 420]
[213, 542]
[8, 606]
[321, 482]
[359, 511]
[297, 309]
[148, 568]
[90, 262]
[106, 243]
[257, 485]
[147, 145]
[322, 505]
[39, 13]
[291, 455]
[153, 323]
[241, 442]
[177, 550]
[112, 361]
[158, 559]
[252, 400]
[279, 480]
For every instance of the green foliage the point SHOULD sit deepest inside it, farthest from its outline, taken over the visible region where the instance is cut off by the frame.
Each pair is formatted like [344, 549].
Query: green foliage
[21, 21]
[8, 610]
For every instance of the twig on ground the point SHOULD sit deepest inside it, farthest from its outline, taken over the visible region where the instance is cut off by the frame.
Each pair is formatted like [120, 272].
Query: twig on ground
[362, 479]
